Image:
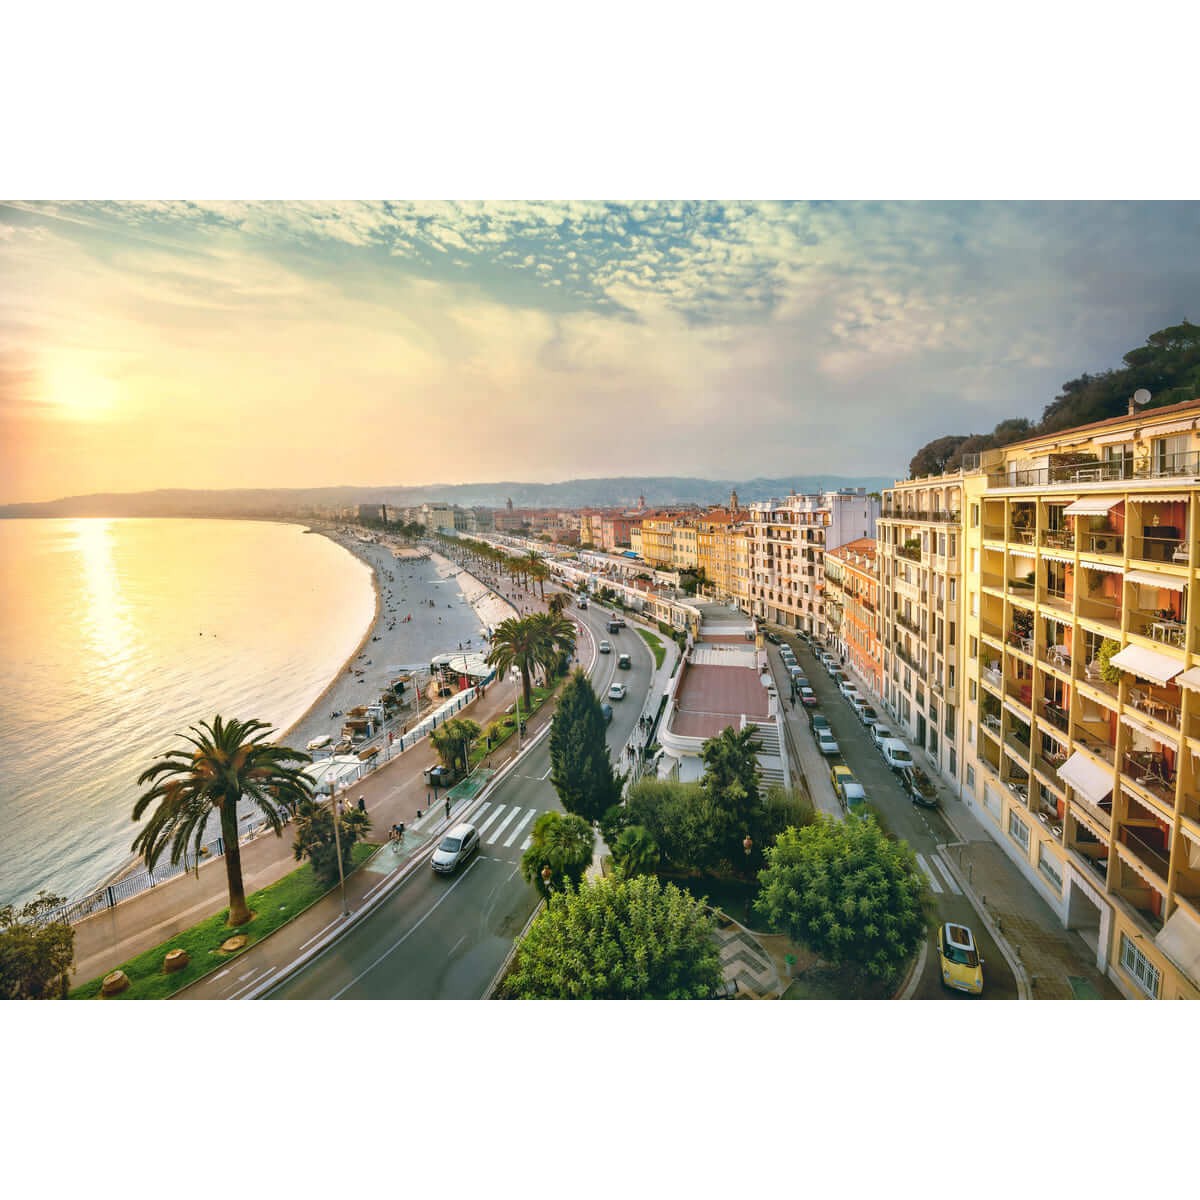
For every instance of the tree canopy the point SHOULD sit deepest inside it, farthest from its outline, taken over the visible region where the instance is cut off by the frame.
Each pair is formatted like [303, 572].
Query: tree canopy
[315, 838]
[35, 954]
[1167, 366]
[580, 767]
[618, 939]
[565, 844]
[846, 892]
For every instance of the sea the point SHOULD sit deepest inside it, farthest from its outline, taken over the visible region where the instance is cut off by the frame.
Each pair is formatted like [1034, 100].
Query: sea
[116, 636]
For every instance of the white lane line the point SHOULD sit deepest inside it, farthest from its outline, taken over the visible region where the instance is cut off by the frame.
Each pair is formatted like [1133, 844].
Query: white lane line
[481, 810]
[940, 863]
[933, 881]
[512, 837]
[321, 933]
[525, 843]
[404, 938]
[547, 774]
[257, 983]
[496, 812]
[494, 836]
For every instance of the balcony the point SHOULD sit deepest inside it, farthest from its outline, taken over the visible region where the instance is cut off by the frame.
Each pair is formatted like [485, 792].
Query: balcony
[1162, 627]
[1058, 539]
[993, 533]
[1146, 847]
[1019, 691]
[991, 629]
[1162, 704]
[1062, 475]
[1149, 771]
[1054, 714]
[1060, 600]
[1101, 541]
[1100, 747]
[1159, 549]
[1100, 813]
[909, 624]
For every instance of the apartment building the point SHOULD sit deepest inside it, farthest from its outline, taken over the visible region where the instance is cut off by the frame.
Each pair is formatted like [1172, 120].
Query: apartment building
[852, 607]
[920, 548]
[684, 544]
[658, 539]
[789, 538]
[1082, 677]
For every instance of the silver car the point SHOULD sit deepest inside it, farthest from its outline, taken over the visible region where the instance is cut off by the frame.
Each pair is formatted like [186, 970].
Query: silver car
[457, 846]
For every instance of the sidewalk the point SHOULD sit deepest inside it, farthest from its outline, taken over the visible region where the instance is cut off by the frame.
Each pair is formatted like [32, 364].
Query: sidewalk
[395, 792]
[1050, 961]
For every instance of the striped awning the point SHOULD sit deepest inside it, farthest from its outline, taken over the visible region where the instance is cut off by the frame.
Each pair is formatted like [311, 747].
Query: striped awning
[1111, 439]
[1092, 506]
[1092, 781]
[1145, 730]
[1023, 551]
[1063, 558]
[1156, 579]
[1154, 431]
[1190, 679]
[1162, 499]
[1099, 566]
[1147, 664]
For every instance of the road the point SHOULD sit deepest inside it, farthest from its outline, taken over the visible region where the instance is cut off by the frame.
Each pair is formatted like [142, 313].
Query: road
[445, 937]
[923, 829]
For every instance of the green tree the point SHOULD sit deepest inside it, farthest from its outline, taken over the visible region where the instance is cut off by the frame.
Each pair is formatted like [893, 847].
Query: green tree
[316, 842]
[557, 603]
[36, 954]
[618, 939]
[229, 760]
[933, 457]
[528, 643]
[681, 818]
[731, 782]
[452, 741]
[565, 844]
[635, 852]
[580, 768]
[847, 893]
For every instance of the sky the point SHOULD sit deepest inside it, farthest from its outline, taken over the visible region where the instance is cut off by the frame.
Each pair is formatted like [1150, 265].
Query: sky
[257, 344]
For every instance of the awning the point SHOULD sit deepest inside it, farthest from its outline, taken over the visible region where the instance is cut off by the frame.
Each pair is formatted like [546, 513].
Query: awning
[1155, 579]
[1099, 566]
[1145, 730]
[1093, 506]
[1023, 551]
[1091, 781]
[1147, 664]
[1111, 439]
[1190, 678]
[1179, 940]
[1063, 558]
[1154, 431]
[1016, 712]
[1162, 499]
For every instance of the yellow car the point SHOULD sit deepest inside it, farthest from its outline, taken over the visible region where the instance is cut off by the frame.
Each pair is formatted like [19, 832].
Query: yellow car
[962, 968]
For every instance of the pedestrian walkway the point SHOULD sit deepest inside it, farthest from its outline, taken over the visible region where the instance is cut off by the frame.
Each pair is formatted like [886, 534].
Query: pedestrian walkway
[746, 966]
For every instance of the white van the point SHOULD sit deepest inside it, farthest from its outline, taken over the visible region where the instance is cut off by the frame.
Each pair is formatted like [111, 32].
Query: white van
[895, 753]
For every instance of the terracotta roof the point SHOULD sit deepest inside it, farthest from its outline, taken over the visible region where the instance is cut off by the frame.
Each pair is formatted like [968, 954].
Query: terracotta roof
[1141, 415]
[863, 547]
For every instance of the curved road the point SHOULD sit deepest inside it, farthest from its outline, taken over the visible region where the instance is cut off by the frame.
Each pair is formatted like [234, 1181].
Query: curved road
[445, 937]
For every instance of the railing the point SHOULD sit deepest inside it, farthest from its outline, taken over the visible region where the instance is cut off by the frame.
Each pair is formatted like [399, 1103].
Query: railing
[993, 533]
[1100, 813]
[1162, 708]
[1101, 541]
[1060, 539]
[1160, 549]
[1151, 855]
[1100, 748]
[908, 624]
[1156, 466]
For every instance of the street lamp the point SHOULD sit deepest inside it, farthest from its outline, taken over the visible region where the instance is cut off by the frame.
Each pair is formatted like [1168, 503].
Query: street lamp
[337, 840]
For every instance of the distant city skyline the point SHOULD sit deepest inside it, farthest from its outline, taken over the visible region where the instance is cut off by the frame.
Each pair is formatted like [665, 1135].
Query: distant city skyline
[230, 345]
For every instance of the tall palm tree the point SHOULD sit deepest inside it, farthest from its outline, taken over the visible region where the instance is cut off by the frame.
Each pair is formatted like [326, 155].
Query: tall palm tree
[529, 642]
[564, 843]
[452, 740]
[557, 602]
[229, 760]
[539, 572]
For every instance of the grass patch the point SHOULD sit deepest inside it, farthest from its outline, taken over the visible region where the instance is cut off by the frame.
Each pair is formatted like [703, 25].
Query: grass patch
[656, 646]
[825, 982]
[272, 906]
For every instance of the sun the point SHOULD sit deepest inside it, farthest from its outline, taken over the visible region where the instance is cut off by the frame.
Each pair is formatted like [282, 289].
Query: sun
[76, 390]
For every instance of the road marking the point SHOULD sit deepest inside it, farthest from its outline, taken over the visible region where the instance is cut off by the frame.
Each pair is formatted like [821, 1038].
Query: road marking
[495, 813]
[321, 933]
[257, 983]
[404, 938]
[495, 834]
[933, 880]
[940, 863]
[547, 774]
[525, 843]
[512, 837]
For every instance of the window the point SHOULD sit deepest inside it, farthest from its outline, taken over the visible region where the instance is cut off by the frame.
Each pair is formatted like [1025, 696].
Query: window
[970, 776]
[974, 562]
[972, 604]
[970, 735]
[942, 544]
[1048, 865]
[1018, 831]
[973, 648]
[1139, 968]
[953, 548]
[953, 761]
[949, 720]
[950, 676]
[974, 516]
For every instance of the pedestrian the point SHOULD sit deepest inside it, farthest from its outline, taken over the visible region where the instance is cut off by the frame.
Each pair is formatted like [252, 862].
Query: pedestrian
[362, 804]
[447, 808]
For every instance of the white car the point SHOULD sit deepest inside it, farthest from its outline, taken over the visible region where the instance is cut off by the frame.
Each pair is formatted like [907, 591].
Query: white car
[895, 754]
[826, 742]
[605, 646]
[849, 690]
[617, 691]
[880, 734]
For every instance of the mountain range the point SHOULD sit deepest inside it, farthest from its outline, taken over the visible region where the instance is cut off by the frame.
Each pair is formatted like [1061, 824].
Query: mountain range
[572, 493]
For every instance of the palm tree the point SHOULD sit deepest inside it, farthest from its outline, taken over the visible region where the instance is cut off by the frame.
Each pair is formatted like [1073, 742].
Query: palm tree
[538, 571]
[635, 851]
[557, 602]
[452, 740]
[565, 844]
[230, 759]
[530, 642]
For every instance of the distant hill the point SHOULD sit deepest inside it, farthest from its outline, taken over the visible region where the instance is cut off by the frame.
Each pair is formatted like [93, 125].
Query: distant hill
[294, 502]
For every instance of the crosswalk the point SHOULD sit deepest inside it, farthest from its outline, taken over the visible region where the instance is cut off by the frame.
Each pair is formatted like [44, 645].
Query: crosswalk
[936, 879]
[502, 824]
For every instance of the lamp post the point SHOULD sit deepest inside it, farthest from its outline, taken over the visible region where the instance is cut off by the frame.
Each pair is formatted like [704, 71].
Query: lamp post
[337, 841]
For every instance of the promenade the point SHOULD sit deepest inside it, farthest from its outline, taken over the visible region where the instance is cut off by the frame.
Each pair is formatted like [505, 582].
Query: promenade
[396, 792]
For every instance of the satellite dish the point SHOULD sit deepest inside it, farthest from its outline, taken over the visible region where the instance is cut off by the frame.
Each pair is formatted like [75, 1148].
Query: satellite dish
[1141, 397]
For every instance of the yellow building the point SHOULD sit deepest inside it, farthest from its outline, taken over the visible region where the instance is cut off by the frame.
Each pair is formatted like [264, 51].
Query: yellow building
[658, 539]
[684, 550]
[1082, 676]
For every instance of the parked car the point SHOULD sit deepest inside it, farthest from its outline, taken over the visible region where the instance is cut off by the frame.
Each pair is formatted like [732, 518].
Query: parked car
[773, 638]
[920, 787]
[866, 714]
[786, 652]
[606, 711]
[817, 721]
[624, 662]
[849, 689]
[605, 646]
[838, 677]
[456, 847]
[617, 691]
[808, 697]
[849, 791]
[895, 754]
[826, 742]
[962, 968]
[880, 734]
